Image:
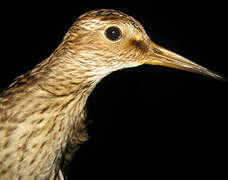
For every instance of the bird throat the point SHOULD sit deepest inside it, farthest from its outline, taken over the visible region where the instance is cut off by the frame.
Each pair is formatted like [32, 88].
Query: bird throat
[67, 98]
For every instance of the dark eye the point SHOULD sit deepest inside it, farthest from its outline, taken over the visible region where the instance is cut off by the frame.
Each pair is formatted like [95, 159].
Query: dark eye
[113, 33]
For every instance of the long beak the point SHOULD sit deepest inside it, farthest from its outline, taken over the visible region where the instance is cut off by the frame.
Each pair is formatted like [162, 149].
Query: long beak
[158, 55]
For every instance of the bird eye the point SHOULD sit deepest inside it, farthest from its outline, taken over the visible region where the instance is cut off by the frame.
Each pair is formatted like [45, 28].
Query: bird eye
[113, 33]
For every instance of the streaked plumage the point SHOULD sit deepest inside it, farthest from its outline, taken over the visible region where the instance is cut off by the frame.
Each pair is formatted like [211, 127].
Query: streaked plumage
[42, 114]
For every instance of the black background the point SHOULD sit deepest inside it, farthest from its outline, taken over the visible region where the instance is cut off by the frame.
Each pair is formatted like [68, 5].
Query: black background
[148, 121]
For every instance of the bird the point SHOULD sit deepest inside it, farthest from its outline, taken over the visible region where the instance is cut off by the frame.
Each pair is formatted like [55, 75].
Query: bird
[43, 112]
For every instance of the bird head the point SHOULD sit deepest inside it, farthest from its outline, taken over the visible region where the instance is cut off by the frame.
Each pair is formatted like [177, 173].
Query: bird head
[109, 40]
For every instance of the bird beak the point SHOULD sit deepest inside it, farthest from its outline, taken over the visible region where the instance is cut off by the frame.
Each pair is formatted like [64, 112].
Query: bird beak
[158, 55]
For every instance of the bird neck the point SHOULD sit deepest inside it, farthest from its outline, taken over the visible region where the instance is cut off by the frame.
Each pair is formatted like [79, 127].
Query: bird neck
[62, 79]
[65, 81]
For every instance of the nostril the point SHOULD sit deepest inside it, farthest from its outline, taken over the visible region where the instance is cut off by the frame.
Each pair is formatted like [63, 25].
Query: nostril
[157, 51]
